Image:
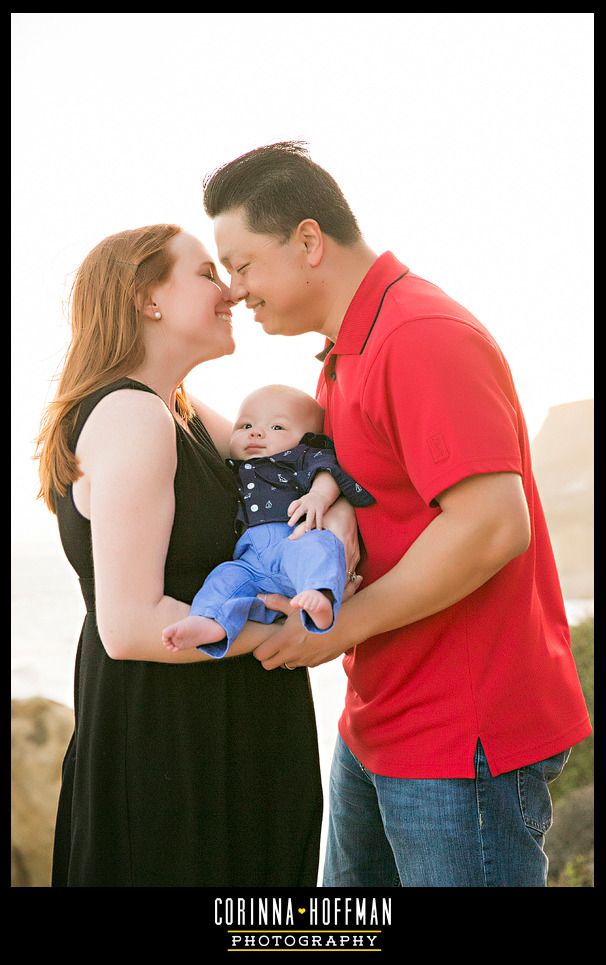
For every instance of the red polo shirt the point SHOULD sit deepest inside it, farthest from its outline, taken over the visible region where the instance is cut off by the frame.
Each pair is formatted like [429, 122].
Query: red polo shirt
[419, 396]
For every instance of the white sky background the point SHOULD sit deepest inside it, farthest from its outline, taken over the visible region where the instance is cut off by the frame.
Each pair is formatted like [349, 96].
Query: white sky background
[463, 143]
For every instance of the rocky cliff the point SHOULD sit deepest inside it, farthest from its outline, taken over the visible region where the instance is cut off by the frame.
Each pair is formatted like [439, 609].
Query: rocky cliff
[40, 733]
[563, 462]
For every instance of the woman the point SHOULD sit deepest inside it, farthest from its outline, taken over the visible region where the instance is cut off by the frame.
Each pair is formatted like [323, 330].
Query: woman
[182, 770]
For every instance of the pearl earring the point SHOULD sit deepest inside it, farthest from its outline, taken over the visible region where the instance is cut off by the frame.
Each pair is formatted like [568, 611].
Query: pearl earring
[158, 315]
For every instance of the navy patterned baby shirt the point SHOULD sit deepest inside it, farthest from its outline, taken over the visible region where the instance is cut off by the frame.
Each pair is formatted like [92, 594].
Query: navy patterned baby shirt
[268, 484]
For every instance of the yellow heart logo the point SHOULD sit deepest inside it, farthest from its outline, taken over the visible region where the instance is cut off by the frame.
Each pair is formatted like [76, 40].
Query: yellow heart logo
[301, 910]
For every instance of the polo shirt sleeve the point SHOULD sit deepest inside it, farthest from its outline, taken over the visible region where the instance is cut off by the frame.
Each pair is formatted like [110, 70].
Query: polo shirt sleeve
[441, 392]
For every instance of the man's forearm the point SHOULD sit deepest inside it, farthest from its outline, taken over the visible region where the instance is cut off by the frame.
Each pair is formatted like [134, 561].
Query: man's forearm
[483, 525]
[447, 562]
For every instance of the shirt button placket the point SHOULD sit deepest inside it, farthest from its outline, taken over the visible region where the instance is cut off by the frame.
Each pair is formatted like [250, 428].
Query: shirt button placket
[330, 377]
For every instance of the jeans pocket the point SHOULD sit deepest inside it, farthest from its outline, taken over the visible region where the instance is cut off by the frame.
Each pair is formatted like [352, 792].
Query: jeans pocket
[533, 791]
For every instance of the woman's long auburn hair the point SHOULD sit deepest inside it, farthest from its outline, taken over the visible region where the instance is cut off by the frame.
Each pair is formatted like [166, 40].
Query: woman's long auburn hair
[106, 342]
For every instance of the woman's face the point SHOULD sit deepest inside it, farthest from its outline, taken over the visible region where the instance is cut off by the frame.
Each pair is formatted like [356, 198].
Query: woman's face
[194, 302]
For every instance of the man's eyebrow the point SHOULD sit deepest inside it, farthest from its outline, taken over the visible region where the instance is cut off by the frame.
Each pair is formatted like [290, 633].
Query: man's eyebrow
[228, 263]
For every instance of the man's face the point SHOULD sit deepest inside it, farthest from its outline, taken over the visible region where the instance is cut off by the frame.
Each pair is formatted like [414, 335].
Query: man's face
[273, 278]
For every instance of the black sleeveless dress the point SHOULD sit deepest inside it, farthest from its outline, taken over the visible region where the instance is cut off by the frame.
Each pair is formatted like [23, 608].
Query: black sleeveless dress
[203, 775]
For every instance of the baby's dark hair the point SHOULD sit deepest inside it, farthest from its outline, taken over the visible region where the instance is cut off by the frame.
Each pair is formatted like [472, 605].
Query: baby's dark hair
[278, 186]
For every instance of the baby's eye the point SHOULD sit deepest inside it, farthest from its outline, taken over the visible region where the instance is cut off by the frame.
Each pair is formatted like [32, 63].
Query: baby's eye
[246, 425]
[277, 427]
[210, 274]
[241, 269]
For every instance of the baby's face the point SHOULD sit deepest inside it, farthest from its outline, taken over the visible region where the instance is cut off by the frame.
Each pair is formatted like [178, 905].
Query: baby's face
[267, 425]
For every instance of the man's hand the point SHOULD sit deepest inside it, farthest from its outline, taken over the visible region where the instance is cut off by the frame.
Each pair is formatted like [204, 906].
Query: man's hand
[341, 520]
[292, 644]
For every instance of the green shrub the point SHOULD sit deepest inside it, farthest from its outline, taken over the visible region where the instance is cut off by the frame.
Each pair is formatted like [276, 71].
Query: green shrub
[570, 840]
[579, 769]
[569, 844]
[577, 873]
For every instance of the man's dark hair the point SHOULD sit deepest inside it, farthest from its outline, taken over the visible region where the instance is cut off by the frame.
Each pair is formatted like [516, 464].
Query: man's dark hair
[278, 186]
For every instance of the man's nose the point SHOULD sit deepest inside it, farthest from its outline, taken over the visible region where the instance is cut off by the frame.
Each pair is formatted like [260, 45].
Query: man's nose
[226, 292]
[237, 289]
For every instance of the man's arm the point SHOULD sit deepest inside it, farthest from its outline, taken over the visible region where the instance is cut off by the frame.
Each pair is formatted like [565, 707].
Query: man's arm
[483, 525]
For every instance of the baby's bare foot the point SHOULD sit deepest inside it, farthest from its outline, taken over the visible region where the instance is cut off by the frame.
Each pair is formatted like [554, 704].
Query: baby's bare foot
[191, 632]
[317, 605]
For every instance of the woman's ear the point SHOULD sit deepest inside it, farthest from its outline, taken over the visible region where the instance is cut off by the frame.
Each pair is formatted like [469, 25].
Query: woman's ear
[146, 305]
[149, 310]
[309, 233]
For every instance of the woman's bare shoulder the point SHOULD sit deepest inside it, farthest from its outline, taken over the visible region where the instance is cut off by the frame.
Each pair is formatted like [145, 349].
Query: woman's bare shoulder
[127, 417]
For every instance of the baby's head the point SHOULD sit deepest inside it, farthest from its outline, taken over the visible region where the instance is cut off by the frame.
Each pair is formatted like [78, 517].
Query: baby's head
[273, 419]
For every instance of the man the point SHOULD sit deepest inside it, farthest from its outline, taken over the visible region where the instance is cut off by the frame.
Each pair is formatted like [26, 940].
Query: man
[463, 699]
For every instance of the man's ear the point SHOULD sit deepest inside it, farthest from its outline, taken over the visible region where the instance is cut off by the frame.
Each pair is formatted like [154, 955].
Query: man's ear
[309, 234]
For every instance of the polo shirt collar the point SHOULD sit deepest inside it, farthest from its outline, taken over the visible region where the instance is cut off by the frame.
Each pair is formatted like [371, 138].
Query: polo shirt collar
[365, 305]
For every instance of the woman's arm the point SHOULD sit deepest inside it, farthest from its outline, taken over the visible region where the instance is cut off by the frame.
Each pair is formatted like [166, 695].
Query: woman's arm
[219, 428]
[127, 452]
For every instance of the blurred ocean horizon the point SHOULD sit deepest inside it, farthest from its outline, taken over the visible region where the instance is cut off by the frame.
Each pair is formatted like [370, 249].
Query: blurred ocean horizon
[47, 615]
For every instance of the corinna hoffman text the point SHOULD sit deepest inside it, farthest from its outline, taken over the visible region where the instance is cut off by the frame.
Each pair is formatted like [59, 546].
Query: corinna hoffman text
[311, 913]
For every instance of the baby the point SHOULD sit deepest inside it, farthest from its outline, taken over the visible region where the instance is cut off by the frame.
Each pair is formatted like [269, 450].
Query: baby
[286, 470]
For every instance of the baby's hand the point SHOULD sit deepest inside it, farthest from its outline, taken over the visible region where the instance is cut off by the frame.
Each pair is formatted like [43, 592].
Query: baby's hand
[312, 506]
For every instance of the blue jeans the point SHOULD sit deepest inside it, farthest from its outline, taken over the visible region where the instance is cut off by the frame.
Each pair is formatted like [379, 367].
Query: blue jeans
[482, 832]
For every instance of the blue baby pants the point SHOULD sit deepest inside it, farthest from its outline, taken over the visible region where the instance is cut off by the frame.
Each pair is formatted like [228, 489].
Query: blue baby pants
[266, 561]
